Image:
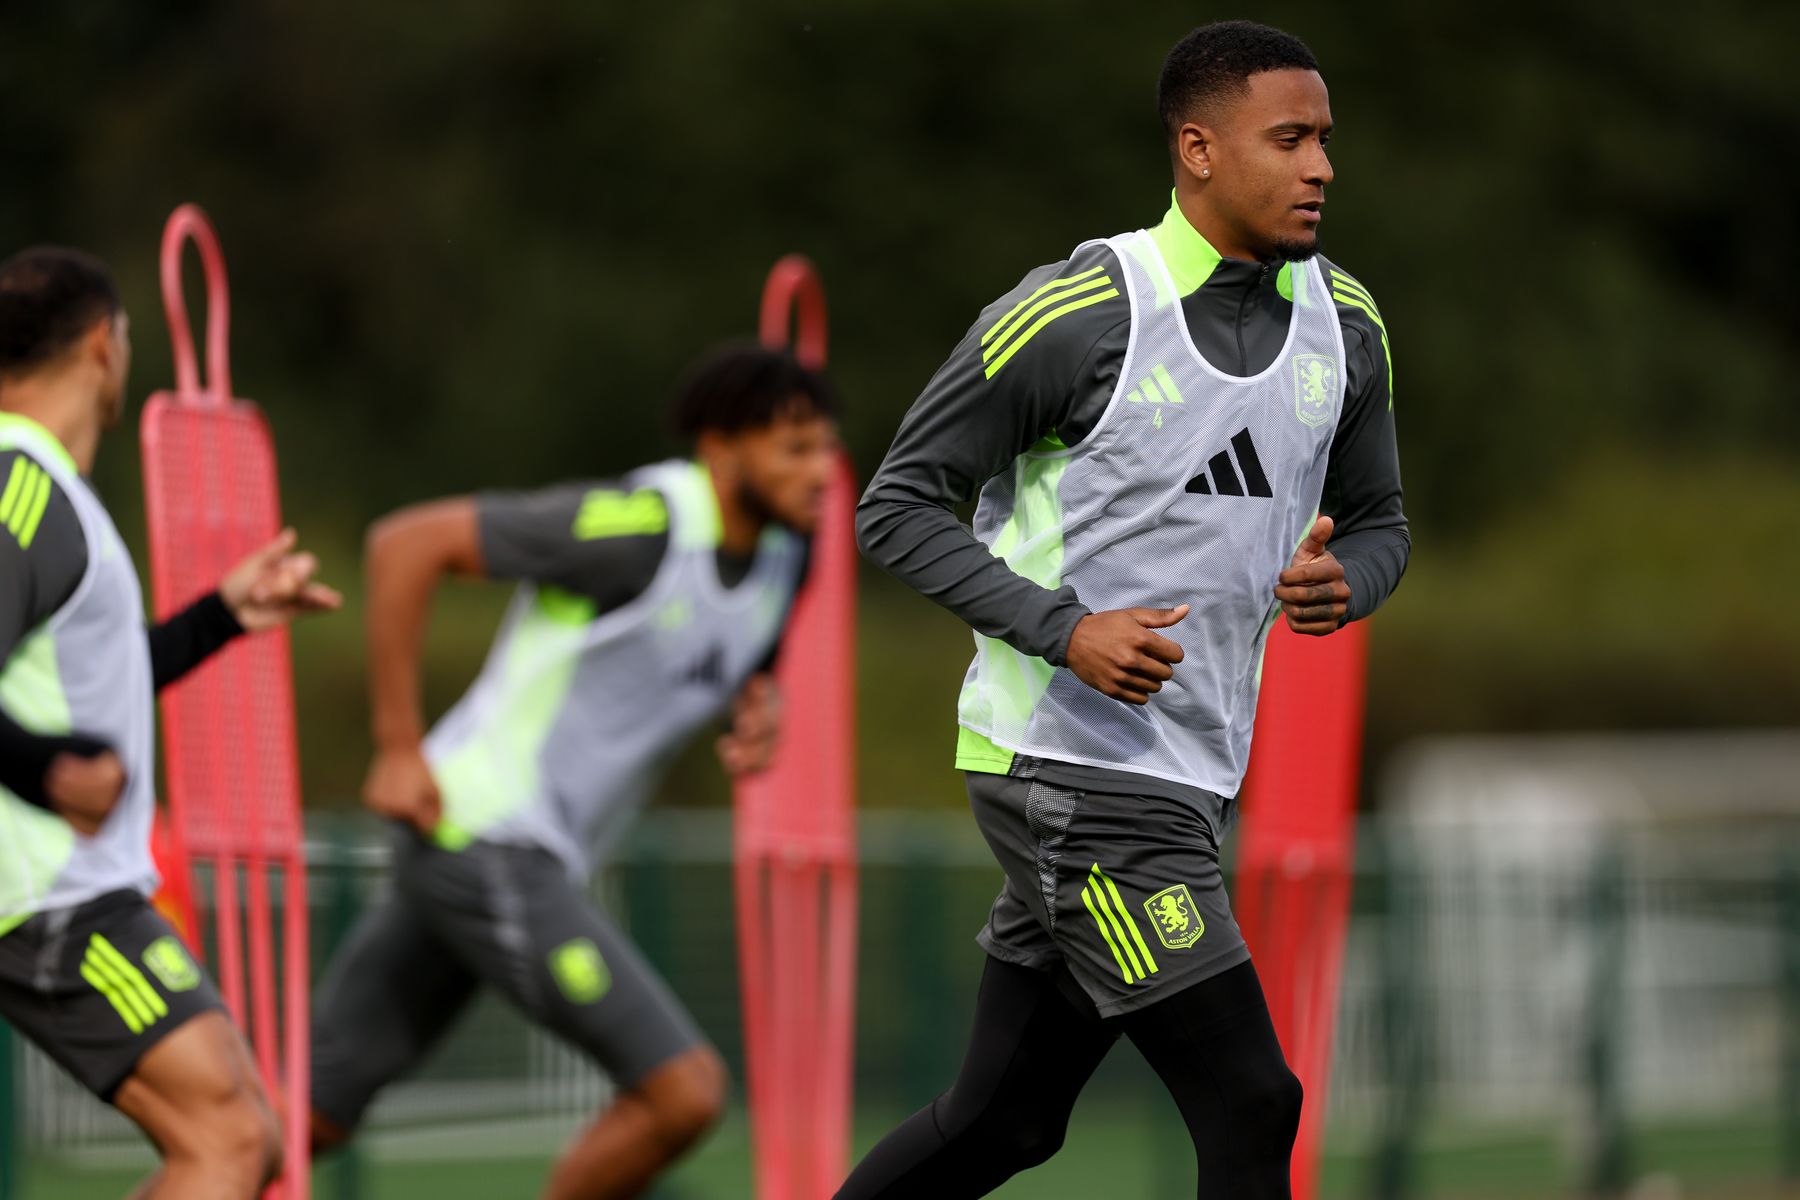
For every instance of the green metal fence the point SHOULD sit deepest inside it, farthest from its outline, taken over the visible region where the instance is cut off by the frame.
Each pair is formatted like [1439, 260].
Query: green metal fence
[1575, 1027]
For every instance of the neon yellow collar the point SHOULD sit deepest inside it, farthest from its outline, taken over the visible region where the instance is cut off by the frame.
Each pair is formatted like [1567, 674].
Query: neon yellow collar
[1191, 259]
[36, 433]
[707, 509]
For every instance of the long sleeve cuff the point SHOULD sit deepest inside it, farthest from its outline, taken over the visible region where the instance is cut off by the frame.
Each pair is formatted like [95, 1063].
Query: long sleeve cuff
[1374, 560]
[25, 758]
[1060, 628]
[190, 637]
[929, 550]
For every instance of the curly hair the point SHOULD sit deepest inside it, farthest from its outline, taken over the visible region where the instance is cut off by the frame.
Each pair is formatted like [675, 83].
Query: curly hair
[742, 386]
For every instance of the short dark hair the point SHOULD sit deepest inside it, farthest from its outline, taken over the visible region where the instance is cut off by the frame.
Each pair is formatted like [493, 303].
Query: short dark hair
[741, 386]
[1215, 63]
[50, 296]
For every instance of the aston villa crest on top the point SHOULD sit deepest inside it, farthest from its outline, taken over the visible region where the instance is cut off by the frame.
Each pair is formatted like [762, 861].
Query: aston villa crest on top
[1315, 379]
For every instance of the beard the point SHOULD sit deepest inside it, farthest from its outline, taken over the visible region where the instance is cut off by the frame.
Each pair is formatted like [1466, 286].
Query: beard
[754, 504]
[1296, 250]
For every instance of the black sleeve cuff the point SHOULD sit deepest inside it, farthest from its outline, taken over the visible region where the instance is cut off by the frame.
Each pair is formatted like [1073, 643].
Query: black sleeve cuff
[188, 638]
[25, 758]
[216, 617]
[1373, 560]
[1060, 627]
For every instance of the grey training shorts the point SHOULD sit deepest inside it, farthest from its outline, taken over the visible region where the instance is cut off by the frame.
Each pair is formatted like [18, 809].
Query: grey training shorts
[1125, 889]
[508, 917]
[97, 985]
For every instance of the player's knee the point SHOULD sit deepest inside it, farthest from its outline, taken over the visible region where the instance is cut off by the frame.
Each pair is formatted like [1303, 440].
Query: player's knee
[238, 1130]
[1273, 1104]
[688, 1095]
[271, 1149]
[254, 1137]
[1022, 1137]
[701, 1100]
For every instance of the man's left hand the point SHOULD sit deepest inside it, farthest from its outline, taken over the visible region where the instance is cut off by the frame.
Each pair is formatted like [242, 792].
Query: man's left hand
[274, 585]
[755, 724]
[1312, 591]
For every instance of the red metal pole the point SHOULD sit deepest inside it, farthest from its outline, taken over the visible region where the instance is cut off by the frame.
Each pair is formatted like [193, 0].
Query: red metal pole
[189, 222]
[795, 840]
[211, 497]
[1296, 849]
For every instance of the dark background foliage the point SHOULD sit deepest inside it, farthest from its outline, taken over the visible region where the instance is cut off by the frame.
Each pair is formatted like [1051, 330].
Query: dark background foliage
[472, 244]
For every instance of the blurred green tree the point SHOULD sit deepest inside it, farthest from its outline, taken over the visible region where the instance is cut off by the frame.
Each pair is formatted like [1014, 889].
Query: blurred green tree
[473, 244]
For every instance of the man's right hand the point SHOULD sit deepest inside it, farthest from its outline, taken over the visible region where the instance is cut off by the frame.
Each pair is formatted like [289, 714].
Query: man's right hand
[1117, 655]
[83, 791]
[400, 787]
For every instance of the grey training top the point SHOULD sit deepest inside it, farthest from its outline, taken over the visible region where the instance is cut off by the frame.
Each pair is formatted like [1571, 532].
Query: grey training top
[554, 745]
[531, 536]
[44, 557]
[969, 425]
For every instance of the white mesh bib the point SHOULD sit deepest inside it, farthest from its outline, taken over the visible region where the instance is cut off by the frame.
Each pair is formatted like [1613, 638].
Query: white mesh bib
[1195, 487]
[84, 670]
[560, 740]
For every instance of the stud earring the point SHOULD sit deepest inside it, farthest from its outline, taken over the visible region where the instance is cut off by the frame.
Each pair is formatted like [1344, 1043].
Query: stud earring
[1205, 172]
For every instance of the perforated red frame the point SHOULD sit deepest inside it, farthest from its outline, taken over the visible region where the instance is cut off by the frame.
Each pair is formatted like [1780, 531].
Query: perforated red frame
[1296, 853]
[795, 836]
[230, 752]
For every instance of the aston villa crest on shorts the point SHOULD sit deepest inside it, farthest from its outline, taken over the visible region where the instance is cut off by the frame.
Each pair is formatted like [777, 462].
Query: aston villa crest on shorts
[1315, 382]
[1176, 918]
[169, 960]
[579, 971]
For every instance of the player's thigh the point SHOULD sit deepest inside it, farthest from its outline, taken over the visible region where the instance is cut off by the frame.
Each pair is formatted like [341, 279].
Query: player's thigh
[197, 1092]
[596, 988]
[99, 985]
[547, 947]
[1016, 932]
[390, 993]
[1009, 813]
[1140, 908]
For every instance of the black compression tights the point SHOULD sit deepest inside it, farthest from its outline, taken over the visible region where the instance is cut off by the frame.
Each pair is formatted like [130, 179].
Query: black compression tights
[1031, 1052]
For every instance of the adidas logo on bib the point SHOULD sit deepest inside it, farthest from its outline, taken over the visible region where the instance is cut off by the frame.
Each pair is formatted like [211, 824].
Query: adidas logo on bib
[1225, 479]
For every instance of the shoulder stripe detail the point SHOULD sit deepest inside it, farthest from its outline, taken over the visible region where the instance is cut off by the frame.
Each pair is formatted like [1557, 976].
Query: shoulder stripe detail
[1014, 310]
[31, 517]
[1062, 293]
[608, 514]
[27, 496]
[1344, 297]
[1355, 301]
[994, 364]
[15, 483]
[1343, 281]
